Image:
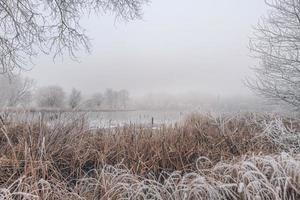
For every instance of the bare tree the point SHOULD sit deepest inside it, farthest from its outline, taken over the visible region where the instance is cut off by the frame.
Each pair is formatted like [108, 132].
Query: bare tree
[50, 97]
[28, 27]
[123, 98]
[276, 43]
[109, 96]
[97, 100]
[75, 98]
[15, 90]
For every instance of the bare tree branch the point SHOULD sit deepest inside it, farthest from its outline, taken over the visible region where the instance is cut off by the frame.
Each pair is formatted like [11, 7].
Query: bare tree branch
[276, 43]
[29, 27]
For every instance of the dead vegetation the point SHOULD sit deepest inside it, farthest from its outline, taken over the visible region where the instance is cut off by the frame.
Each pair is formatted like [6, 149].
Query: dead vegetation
[227, 157]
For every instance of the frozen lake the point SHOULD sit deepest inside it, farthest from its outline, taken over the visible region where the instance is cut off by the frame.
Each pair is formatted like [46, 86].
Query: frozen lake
[104, 119]
[113, 119]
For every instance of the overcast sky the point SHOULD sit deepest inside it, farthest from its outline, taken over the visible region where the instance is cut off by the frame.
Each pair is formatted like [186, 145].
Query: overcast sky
[179, 46]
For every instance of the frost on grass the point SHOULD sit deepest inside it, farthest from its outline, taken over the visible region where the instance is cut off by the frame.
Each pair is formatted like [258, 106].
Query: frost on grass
[255, 177]
[206, 157]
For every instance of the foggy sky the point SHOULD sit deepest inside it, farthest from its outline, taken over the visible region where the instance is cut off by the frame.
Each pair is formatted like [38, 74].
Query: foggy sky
[179, 46]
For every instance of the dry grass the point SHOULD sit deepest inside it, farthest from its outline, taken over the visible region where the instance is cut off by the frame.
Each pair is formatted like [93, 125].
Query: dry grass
[205, 157]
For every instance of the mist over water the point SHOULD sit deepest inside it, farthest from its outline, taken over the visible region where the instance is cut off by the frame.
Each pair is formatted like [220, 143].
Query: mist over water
[178, 58]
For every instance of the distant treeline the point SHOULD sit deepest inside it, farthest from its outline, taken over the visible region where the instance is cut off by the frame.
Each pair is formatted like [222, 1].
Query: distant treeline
[17, 91]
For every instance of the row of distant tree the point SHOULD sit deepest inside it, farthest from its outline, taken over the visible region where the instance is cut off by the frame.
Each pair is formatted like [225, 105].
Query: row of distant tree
[18, 91]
